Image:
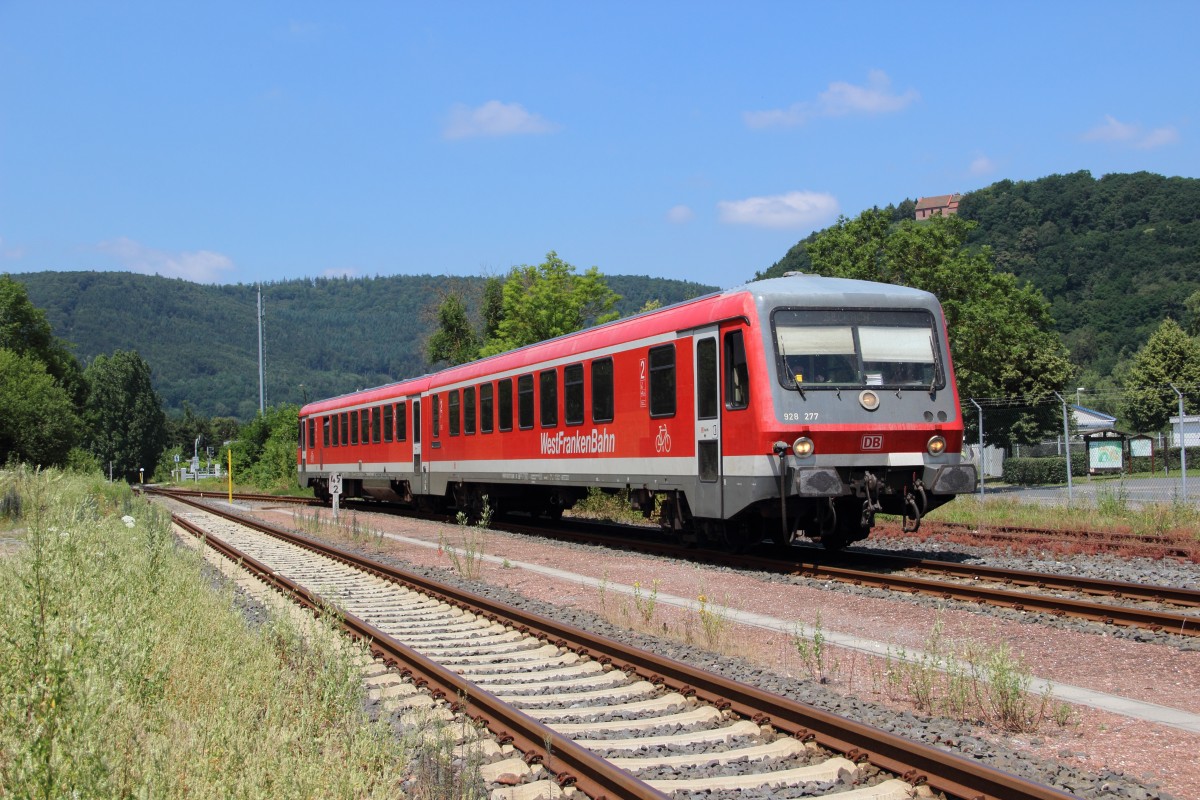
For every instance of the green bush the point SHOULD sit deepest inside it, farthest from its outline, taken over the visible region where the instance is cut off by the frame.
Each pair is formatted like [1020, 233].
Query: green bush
[1038, 471]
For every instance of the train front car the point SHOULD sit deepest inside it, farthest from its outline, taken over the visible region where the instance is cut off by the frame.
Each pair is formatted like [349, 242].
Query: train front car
[864, 415]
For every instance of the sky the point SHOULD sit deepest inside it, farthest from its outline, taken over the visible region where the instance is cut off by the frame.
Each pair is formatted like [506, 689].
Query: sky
[233, 142]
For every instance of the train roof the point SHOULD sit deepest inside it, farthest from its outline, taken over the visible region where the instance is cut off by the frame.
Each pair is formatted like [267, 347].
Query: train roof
[793, 289]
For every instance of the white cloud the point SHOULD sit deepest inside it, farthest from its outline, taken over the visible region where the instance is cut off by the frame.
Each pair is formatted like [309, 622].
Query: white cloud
[839, 100]
[10, 253]
[1130, 134]
[981, 165]
[791, 210]
[1159, 137]
[680, 214]
[201, 266]
[494, 118]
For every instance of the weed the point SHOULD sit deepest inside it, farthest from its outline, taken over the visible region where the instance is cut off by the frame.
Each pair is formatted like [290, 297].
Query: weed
[714, 622]
[1113, 502]
[645, 604]
[468, 559]
[971, 682]
[811, 649]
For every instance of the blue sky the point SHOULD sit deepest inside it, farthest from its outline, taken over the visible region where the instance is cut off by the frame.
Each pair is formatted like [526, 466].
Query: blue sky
[236, 142]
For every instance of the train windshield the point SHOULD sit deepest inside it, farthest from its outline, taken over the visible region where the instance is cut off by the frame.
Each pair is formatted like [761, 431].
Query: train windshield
[816, 349]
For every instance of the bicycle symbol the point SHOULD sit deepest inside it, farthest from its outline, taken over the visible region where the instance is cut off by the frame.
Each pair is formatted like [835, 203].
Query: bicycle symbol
[662, 442]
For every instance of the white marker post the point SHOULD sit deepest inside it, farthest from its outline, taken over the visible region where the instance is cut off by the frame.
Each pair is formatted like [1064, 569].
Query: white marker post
[335, 491]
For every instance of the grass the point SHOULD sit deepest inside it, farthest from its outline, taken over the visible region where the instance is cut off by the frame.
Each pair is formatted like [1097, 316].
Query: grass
[124, 674]
[1112, 511]
[971, 682]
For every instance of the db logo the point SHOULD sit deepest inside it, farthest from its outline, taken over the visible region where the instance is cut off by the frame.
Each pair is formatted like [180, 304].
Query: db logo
[872, 442]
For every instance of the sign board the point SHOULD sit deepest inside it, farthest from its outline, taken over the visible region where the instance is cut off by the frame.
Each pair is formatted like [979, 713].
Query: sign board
[1105, 455]
[1140, 448]
[335, 490]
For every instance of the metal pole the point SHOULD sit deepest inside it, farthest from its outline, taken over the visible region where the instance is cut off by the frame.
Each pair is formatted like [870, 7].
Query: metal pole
[262, 396]
[1067, 439]
[982, 472]
[1182, 444]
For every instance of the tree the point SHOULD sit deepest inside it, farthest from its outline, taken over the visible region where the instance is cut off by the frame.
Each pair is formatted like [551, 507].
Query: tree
[265, 450]
[549, 300]
[38, 423]
[493, 306]
[25, 331]
[124, 416]
[1001, 333]
[1169, 357]
[454, 341]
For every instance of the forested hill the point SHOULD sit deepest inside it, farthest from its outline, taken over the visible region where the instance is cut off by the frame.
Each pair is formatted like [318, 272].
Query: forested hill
[321, 337]
[1114, 256]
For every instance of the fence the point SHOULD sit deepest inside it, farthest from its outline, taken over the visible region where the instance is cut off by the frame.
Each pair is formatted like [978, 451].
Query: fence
[1104, 463]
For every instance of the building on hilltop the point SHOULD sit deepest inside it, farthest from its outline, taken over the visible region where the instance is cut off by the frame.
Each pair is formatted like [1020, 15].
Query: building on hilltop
[938, 205]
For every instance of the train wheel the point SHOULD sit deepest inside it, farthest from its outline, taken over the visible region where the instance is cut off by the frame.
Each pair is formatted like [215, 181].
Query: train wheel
[851, 524]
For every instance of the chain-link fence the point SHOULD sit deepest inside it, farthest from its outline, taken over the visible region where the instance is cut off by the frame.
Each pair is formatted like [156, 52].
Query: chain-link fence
[1089, 462]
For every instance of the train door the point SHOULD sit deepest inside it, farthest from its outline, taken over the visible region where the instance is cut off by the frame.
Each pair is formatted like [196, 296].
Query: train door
[416, 438]
[710, 501]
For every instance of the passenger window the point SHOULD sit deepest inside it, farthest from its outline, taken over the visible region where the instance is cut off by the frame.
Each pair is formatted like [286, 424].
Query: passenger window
[337, 434]
[469, 410]
[737, 374]
[454, 415]
[662, 381]
[375, 414]
[548, 385]
[485, 408]
[436, 400]
[353, 427]
[525, 401]
[602, 390]
[312, 432]
[504, 400]
[389, 411]
[345, 415]
[325, 431]
[573, 394]
[401, 421]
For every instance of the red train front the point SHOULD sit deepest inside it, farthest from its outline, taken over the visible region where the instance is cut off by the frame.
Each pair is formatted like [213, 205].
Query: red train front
[798, 405]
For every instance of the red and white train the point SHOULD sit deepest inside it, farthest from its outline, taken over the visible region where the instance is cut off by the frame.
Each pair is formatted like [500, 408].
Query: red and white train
[796, 405]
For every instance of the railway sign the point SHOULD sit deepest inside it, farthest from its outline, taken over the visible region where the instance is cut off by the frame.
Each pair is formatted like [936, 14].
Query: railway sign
[335, 490]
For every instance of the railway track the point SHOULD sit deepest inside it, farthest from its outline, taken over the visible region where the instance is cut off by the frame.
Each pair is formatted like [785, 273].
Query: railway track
[1107, 602]
[608, 719]
[1156, 608]
[1060, 540]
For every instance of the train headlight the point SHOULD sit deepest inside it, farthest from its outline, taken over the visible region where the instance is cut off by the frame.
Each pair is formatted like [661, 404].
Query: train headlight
[803, 447]
[868, 400]
[936, 446]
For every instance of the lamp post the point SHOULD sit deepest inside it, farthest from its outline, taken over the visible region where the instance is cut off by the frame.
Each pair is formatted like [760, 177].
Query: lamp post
[1077, 393]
